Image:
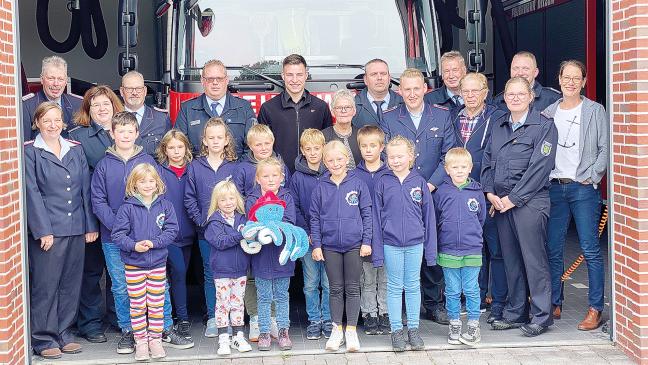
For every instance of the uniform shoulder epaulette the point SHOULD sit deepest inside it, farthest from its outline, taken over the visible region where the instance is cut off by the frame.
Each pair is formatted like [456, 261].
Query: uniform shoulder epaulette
[73, 141]
[76, 96]
[75, 128]
[28, 142]
[160, 109]
[28, 96]
[440, 107]
[552, 89]
[545, 114]
[390, 109]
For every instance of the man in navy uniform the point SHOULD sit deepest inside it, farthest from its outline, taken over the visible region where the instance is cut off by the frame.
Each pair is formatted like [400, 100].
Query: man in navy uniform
[524, 65]
[54, 80]
[430, 128]
[453, 69]
[216, 101]
[153, 122]
[377, 97]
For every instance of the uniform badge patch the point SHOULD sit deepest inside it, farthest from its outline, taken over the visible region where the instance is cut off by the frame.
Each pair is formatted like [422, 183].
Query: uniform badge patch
[352, 198]
[194, 122]
[159, 220]
[473, 205]
[416, 194]
[546, 148]
[240, 227]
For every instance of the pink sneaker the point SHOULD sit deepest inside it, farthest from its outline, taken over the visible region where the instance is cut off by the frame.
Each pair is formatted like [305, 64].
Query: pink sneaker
[284, 340]
[265, 342]
[141, 350]
[155, 346]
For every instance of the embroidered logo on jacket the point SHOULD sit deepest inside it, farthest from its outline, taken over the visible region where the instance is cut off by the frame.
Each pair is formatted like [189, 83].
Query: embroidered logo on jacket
[160, 220]
[546, 148]
[416, 194]
[473, 205]
[352, 198]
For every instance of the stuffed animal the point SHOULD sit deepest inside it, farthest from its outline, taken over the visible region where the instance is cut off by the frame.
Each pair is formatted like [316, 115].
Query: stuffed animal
[265, 226]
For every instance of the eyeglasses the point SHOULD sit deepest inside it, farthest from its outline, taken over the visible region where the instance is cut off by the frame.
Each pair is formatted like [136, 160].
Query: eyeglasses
[211, 80]
[99, 105]
[57, 79]
[574, 79]
[137, 89]
[472, 92]
[512, 96]
[343, 108]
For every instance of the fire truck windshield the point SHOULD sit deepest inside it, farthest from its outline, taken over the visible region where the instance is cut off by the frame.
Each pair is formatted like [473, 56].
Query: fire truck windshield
[336, 37]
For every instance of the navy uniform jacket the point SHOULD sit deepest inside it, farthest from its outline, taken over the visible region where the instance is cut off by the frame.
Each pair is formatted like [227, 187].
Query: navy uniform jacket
[365, 114]
[544, 96]
[237, 113]
[433, 138]
[58, 192]
[94, 139]
[70, 103]
[155, 123]
[439, 96]
[518, 163]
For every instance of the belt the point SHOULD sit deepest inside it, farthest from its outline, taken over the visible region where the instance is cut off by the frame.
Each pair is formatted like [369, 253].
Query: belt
[562, 181]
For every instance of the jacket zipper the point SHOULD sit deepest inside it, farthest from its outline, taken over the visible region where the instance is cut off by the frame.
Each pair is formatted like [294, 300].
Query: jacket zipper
[297, 121]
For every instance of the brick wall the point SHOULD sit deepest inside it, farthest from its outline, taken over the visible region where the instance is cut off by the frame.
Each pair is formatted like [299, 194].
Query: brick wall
[12, 314]
[629, 58]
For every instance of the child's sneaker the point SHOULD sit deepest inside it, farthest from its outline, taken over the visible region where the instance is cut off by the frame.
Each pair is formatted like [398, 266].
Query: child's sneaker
[336, 340]
[265, 342]
[383, 324]
[254, 329]
[141, 350]
[327, 328]
[472, 334]
[454, 332]
[398, 340]
[211, 330]
[274, 329]
[415, 340]
[314, 330]
[224, 345]
[284, 340]
[240, 343]
[155, 346]
[370, 324]
[352, 341]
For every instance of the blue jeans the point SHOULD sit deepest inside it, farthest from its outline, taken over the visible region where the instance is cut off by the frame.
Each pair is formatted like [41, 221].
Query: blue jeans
[466, 280]
[403, 270]
[117, 274]
[583, 202]
[177, 264]
[269, 290]
[210, 288]
[317, 306]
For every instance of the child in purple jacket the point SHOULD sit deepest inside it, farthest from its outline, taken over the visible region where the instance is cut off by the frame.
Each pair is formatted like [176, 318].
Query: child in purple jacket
[460, 208]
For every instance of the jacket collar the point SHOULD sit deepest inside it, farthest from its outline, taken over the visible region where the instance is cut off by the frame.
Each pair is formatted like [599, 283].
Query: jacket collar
[285, 99]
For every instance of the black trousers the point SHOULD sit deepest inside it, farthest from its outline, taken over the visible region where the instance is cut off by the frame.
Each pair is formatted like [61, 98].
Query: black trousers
[432, 286]
[91, 306]
[523, 233]
[344, 271]
[55, 284]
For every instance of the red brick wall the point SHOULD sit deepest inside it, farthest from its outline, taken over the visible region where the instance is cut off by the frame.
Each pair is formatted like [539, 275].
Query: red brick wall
[629, 97]
[12, 313]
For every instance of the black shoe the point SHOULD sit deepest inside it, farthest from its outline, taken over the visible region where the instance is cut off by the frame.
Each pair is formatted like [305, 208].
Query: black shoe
[398, 340]
[532, 329]
[438, 315]
[371, 325]
[96, 337]
[175, 340]
[415, 340]
[126, 344]
[494, 316]
[383, 324]
[183, 328]
[505, 324]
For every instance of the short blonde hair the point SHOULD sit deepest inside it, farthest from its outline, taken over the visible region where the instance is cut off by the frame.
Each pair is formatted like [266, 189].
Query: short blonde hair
[335, 145]
[225, 187]
[412, 73]
[312, 136]
[371, 131]
[42, 109]
[402, 141]
[270, 162]
[214, 63]
[229, 152]
[458, 154]
[528, 55]
[477, 77]
[139, 172]
[520, 80]
[160, 151]
[259, 131]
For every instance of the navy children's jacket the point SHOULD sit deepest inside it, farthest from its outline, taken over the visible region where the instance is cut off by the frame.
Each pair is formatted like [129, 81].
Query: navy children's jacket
[135, 222]
[460, 216]
[341, 215]
[175, 188]
[109, 185]
[201, 179]
[265, 264]
[227, 259]
[404, 216]
[369, 177]
[245, 176]
[302, 184]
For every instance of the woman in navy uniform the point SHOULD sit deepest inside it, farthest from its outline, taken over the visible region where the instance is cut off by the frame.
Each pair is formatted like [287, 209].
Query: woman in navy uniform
[515, 176]
[60, 223]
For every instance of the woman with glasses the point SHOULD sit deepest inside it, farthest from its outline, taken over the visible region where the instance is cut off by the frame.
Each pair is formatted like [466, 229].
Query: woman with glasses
[581, 162]
[515, 178]
[344, 110]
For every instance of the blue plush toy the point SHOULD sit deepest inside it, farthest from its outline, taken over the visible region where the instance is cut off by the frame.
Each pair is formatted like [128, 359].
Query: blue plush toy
[265, 226]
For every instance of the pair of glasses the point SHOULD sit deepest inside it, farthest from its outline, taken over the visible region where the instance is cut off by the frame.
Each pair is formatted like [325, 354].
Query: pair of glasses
[138, 89]
[99, 105]
[512, 96]
[574, 79]
[211, 80]
[472, 92]
[344, 108]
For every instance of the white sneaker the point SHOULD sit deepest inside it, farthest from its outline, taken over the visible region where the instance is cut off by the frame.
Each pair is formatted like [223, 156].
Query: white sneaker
[211, 330]
[239, 343]
[254, 329]
[336, 340]
[274, 329]
[224, 345]
[352, 341]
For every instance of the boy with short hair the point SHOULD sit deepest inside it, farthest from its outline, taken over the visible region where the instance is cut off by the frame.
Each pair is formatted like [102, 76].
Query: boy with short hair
[461, 210]
[308, 171]
[373, 292]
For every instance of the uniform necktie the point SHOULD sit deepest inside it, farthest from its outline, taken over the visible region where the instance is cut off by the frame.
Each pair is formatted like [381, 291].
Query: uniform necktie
[214, 107]
[379, 111]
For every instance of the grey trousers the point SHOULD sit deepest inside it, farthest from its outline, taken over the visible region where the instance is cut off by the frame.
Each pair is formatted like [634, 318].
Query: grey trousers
[373, 293]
